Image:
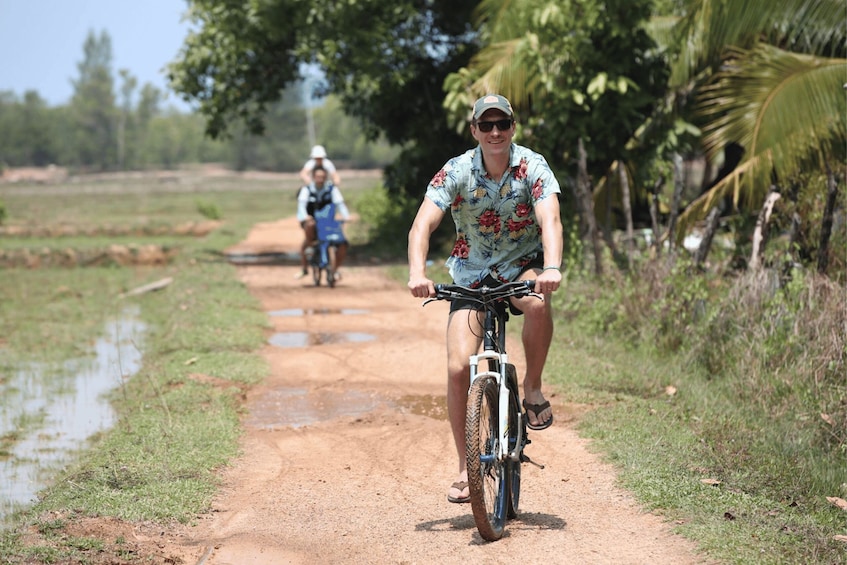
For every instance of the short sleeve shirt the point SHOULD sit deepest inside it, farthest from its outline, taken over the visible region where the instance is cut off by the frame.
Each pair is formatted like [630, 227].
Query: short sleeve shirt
[497, 232]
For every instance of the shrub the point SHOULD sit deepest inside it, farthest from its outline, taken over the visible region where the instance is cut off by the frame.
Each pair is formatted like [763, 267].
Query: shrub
[209, 210]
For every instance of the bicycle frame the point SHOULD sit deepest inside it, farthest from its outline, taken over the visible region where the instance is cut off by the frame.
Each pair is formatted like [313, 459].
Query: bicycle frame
[494, 351]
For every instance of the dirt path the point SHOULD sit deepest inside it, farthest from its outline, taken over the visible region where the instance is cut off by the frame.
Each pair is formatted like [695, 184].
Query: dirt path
[347, 453]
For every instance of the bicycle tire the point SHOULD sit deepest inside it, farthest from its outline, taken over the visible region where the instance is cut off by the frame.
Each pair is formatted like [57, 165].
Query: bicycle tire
[487, 479]
[513, 468]
[330, 268]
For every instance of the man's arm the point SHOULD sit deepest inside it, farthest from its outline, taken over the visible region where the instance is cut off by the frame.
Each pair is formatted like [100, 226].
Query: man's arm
[550, 221]
[338, 200]
[302, 203]
[428, 218]
[306, 171]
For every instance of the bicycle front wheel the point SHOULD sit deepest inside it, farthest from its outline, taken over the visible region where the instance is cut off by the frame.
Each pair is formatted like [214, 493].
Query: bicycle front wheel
[487, 478]
[513, 468]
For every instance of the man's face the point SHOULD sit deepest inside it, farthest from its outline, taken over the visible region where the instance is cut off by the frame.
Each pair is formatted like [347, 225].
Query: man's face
[320, 177]
[496, 140]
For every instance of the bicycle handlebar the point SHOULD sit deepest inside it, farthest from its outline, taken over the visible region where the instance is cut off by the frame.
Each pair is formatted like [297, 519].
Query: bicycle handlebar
[484, 294]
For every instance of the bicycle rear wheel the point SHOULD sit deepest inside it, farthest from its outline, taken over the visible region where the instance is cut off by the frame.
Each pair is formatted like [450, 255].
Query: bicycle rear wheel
[513, 468]
[316, 265]
[487, 474]
[330, 267]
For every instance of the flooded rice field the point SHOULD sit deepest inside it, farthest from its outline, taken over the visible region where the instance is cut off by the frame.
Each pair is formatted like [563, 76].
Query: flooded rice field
[48, 413]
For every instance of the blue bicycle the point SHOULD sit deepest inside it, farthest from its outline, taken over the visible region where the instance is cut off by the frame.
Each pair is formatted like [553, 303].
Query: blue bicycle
[323, 255]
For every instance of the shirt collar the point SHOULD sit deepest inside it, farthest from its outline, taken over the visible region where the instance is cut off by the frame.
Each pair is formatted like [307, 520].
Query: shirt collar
[476, 161]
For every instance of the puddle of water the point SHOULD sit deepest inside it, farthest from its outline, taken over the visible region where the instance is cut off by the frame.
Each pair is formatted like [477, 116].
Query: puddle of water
[427, 405]
[67, 408]
[295, 407]
[306, 339]
[263, 258]
[298, 312]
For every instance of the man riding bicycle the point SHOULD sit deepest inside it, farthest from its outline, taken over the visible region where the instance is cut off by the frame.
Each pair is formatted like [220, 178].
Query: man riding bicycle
[504, 201]
[314, 196]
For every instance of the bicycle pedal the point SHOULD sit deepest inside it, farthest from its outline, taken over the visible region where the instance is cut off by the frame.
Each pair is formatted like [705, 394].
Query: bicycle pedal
[525, 459]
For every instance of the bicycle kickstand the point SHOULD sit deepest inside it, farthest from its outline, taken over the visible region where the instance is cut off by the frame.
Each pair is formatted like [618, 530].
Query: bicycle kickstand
[525, 459]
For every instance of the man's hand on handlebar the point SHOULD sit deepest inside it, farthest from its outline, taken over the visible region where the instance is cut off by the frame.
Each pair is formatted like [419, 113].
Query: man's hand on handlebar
[421, 287]
[548, 281]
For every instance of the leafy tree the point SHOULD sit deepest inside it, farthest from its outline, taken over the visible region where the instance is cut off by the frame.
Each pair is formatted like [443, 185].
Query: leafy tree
[128, 85]
[582, 73]
[27, 132]
[386, 60]
[93, 105]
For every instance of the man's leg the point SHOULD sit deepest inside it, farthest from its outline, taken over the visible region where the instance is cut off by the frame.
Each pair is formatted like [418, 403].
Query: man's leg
[536, 337]
[463, 327]
[310, 235]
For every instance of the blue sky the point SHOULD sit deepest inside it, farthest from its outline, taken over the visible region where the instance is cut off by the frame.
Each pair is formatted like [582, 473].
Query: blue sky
[41, 42]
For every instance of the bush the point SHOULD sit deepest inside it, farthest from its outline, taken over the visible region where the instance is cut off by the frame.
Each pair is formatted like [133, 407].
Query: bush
[3, 212]
[388, 218]
[209, 210]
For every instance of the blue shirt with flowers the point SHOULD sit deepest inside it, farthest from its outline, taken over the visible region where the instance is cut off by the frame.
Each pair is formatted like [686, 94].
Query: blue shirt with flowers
[497, 232]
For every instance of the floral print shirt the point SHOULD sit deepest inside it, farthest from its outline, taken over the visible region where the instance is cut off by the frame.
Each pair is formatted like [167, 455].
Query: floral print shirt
[496, 229]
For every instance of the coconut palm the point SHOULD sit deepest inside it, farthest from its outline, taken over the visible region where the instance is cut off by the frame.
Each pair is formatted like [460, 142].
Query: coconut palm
[769, 76]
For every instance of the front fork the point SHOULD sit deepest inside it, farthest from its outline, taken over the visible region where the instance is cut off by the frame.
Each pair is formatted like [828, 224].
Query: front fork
[503, 403]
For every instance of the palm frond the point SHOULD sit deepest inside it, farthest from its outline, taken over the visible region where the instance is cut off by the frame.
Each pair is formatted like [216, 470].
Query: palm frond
[754, 172]
[510, 68]
[710, 26]
[772, 100]
[789, 113]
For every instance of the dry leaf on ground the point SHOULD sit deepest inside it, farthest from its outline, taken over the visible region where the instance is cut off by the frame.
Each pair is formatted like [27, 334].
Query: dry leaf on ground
[839, 502]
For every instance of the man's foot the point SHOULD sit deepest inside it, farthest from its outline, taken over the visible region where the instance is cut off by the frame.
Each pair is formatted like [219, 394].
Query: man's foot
[301, 274]
[534, 413]
[459, 492]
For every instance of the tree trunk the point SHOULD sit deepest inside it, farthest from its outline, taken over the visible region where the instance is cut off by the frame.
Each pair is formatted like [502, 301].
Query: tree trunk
[793, 236]
[826, 223]
[760, 233]
[654, 216]
[713, 220]
[678, 185]
[627, 210]
[583, 187]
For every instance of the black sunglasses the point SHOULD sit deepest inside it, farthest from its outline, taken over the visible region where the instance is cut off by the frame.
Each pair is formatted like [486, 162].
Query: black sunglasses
[502, 125]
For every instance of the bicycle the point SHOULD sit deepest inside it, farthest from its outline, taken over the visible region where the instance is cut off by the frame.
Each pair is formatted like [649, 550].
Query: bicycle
[495, 427]
[323, 252]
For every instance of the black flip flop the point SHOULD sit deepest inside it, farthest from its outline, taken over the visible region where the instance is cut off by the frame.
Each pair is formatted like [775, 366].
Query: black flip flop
[537, 409]
[459, 485]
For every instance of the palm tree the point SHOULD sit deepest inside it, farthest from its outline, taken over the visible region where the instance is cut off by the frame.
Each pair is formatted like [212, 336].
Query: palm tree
[769, 76]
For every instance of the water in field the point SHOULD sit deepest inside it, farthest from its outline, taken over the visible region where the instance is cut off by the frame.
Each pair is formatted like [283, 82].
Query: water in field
[47, 414]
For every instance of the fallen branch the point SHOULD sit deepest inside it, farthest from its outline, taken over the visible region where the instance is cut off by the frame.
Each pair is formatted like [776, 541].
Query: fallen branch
[157, 285]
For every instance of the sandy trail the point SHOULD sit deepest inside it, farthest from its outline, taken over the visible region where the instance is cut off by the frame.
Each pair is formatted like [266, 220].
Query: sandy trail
[347, 454]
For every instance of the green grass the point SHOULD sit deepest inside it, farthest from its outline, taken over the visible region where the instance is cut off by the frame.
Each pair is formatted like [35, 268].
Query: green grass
[773, 476]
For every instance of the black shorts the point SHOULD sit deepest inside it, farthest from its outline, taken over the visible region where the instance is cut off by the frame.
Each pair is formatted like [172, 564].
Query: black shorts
[537, 263]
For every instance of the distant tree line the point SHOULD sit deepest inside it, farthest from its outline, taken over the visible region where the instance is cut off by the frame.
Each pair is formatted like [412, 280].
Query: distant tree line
[112, 124]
